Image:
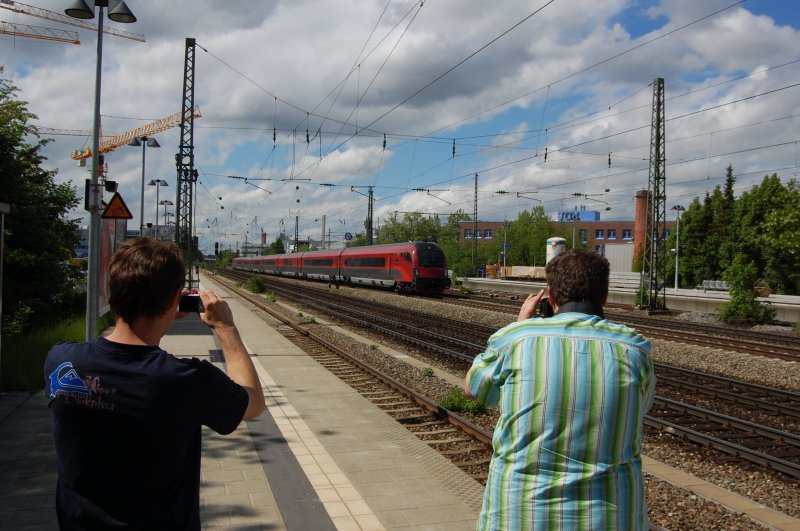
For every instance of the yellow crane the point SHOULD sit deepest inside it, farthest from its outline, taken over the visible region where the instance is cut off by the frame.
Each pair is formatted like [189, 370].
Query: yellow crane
[37, 33]
[162, 124]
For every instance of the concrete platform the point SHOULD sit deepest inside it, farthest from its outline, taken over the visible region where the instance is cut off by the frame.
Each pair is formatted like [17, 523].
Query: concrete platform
[320, 457]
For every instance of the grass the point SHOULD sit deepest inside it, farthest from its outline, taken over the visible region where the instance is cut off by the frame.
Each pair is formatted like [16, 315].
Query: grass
[457, 401]
[23, 356]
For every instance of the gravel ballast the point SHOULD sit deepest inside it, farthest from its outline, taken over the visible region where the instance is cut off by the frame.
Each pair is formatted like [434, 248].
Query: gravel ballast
[669, 507]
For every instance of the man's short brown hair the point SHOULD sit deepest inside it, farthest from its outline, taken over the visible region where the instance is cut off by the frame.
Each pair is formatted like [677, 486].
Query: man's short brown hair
[578, 275]
[143, 276]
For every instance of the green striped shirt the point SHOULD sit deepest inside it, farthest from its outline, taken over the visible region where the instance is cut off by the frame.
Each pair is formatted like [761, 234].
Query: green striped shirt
[572, 391]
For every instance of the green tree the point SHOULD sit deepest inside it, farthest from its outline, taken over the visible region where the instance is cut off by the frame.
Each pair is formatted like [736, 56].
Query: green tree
[225, 258]
[695, 226]
[451, 231]
[459, 254]
[779, 242]
[275, 247]
[413, 226]
[717, 234]
[723, 220]
[761, 214]
[39, 238]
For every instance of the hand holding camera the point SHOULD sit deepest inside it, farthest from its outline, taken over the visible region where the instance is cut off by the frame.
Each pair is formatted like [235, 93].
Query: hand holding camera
[191, 303]
[544, 308]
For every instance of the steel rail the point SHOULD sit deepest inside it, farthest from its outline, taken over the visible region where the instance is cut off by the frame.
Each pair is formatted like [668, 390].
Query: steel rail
[740, 451]
[428, 404]
[718, 442]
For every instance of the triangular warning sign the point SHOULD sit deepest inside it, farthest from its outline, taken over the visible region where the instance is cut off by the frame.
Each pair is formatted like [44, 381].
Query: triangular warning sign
[116, 209]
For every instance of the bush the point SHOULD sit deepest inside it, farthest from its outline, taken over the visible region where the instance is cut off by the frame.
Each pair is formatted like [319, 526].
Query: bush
[457, 400]
[23, 356]
[256, 284]
[743, 306]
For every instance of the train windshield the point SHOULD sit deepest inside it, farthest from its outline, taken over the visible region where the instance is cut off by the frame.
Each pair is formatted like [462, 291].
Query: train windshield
[431, 257]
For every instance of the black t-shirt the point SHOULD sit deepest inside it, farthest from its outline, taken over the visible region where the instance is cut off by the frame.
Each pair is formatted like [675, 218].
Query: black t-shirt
[127, 423]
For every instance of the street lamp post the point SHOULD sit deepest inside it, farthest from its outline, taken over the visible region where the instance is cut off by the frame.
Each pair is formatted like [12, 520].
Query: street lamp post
[678, 209]
[166, 203]
[119, 13]
[505, 244]
[167, 223]
[158, 183]
[145, 142]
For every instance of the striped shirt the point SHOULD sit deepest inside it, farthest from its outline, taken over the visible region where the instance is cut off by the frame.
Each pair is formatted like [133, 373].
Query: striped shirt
[572, 391]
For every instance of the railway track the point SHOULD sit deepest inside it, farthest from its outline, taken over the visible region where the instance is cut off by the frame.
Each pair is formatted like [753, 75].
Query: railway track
[772, 345]
[763, 445]
[468, 446]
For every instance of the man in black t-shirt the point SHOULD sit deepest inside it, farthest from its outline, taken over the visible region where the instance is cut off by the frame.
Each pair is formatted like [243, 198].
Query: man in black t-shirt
[127, 415]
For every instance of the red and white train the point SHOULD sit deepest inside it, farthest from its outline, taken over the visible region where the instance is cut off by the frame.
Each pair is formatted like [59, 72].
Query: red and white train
[413, 267]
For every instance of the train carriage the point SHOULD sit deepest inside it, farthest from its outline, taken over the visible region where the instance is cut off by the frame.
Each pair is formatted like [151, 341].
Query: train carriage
[321, 265]
[413, 267]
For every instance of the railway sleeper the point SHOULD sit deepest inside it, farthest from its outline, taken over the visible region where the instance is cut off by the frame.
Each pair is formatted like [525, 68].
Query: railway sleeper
[440, 432]
[468, 450]
[400, 404]
[389, 398]
[474, 462]
[415, 422]
[417, 413]
[356, 379]
[783, 453]
[749, 440]
[369, 394]
[440, 442]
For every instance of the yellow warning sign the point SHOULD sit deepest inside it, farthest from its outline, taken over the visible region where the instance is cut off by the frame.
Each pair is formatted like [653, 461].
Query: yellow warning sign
[116, 209]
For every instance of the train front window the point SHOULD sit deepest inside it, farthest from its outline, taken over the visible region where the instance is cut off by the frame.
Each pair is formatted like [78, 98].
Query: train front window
[431, 258]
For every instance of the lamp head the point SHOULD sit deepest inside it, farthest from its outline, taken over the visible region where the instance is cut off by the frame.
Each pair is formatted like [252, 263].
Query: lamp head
[121, 13]
[135, 142]
[153, 143]
[80, 10]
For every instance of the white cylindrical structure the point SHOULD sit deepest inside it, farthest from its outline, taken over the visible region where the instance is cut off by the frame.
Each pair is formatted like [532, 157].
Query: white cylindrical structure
[555, 246]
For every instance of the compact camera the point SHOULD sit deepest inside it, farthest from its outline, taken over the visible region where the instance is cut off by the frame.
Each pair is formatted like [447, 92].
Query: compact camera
[545, 309]
[190, 303]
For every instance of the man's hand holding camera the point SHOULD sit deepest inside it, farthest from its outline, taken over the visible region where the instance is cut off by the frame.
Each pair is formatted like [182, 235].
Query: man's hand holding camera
[536, 305]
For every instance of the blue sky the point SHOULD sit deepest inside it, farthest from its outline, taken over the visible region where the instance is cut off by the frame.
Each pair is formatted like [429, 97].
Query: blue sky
[500, 84]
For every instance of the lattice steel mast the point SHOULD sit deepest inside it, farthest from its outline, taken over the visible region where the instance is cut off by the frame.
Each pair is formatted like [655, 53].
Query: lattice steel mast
[653, 260]
[187, 175]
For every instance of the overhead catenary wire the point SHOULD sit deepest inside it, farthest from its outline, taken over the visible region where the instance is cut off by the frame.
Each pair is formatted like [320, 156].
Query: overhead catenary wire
[552, 153]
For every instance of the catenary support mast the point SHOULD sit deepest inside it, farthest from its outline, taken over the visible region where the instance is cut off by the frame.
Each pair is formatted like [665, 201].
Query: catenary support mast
[653, 260]
[187, 175]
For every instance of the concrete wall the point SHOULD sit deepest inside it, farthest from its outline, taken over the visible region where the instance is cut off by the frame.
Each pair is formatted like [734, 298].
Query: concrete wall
[620, 256]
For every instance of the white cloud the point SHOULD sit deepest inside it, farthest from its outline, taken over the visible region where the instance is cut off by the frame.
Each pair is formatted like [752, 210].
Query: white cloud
[556, 69]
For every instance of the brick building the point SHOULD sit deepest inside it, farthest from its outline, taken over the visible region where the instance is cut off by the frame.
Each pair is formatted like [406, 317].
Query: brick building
[618, 240]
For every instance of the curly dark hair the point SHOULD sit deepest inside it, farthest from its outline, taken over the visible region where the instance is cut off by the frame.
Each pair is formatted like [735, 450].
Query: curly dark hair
[143, 277]
[578, 275]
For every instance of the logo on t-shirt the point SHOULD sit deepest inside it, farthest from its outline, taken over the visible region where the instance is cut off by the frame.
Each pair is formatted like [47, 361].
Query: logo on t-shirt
[66, 380]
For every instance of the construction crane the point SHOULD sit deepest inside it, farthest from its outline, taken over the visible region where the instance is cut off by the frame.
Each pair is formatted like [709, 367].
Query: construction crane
[162, 124]
[38, 32]
[27, 9]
